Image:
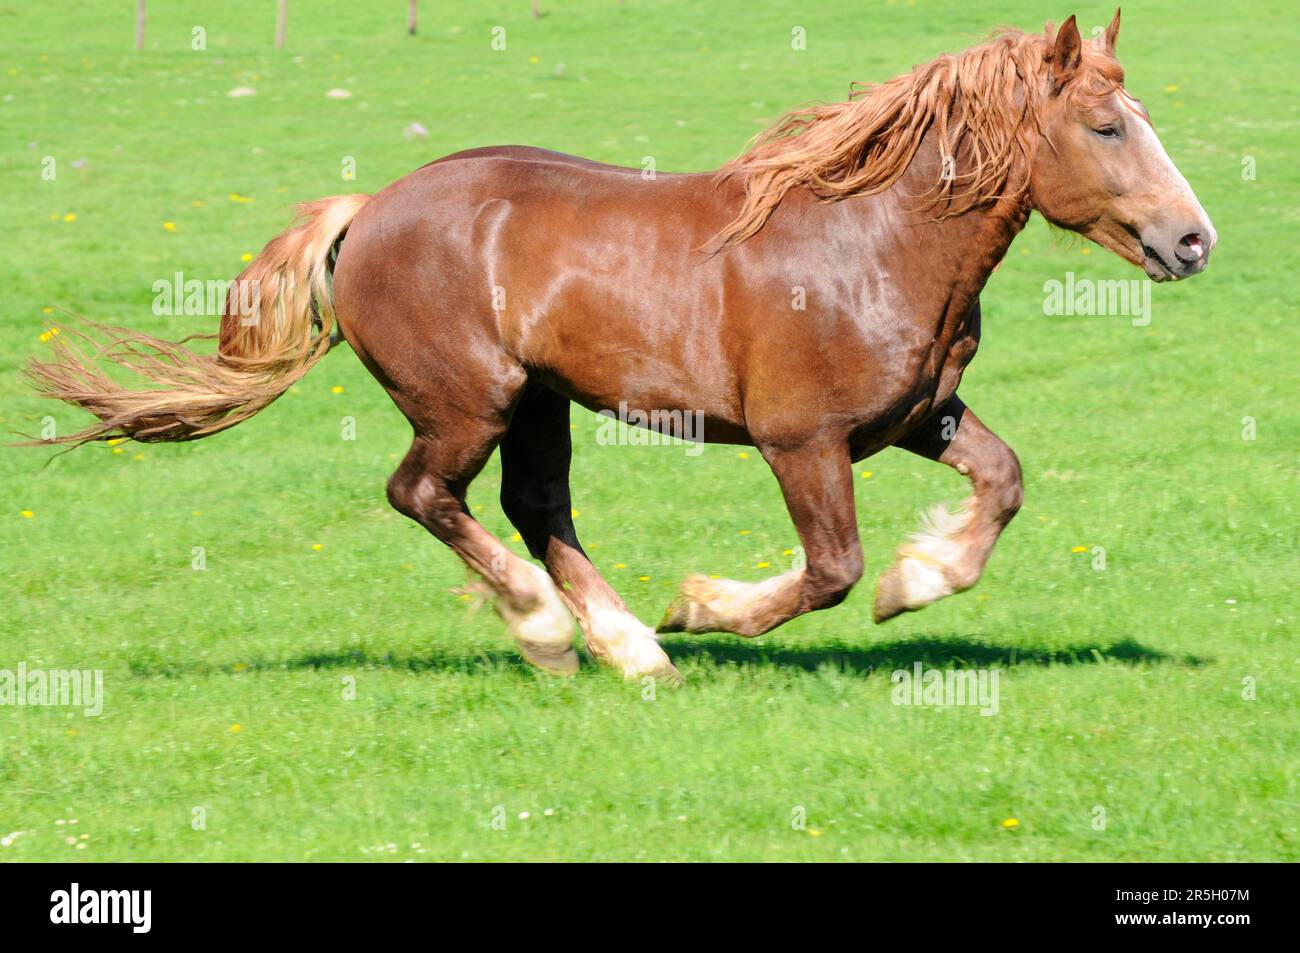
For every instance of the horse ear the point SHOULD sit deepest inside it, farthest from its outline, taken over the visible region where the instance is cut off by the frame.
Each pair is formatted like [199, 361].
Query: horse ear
[1112, 32]
[1067, 51]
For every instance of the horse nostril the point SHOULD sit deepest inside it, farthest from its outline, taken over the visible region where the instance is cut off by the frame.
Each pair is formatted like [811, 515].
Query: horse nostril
[1190, 248]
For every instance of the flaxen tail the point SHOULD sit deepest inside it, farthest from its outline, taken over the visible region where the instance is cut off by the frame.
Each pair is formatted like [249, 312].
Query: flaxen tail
[277, 324]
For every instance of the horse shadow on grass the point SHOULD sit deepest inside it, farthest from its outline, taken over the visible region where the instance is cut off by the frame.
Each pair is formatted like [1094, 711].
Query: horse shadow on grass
[702, 652]
[940, 651]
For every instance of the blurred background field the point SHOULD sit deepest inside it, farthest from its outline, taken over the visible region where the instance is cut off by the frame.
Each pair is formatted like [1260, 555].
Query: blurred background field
[1122, 689]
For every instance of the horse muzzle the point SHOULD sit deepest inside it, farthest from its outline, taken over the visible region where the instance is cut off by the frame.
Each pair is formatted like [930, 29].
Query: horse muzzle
[1171, 254]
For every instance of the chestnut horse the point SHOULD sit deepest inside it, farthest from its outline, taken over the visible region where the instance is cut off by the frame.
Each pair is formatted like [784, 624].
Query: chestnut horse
[489, 289]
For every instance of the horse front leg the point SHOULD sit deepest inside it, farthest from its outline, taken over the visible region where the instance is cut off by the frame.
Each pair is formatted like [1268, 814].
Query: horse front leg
[949, 554]
[817, 483]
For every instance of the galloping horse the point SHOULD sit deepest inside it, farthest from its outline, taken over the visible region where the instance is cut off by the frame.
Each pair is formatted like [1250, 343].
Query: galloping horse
[487, 290]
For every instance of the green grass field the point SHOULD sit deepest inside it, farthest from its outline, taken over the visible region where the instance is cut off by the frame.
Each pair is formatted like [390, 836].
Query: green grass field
[1122, 690]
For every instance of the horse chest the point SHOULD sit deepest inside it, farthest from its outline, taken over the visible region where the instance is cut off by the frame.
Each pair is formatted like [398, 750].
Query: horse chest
[940, 363]
[919, 386]
[954, 362]
[962, 345]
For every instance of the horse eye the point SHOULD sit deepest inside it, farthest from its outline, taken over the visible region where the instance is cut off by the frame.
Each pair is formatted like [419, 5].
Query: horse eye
[1107, 132]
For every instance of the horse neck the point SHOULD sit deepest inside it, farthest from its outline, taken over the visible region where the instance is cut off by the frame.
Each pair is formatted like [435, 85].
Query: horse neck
[963, 250]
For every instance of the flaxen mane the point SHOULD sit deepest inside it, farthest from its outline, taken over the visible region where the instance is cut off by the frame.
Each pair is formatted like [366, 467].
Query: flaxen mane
[984, 104]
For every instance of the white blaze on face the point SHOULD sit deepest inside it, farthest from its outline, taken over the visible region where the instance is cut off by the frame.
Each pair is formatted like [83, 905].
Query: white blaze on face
[1158, 168]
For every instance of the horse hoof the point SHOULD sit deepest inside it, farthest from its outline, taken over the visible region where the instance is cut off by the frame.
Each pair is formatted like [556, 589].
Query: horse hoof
[891, 595]
[544, 630]
[685, 613]
[675, 615]
[665, 674]
[616, 638]
[911, 583]
[670, 677]
[555, 660]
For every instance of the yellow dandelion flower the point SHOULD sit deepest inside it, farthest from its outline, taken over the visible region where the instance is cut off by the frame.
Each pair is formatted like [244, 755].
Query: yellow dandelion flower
[1171, 88]
[763, 566]
[115, 441]
[196, 512]
[1079, 549]
[246, 256]
[814, 832]
[47, 310]
[240, 666]
[336, 389]
[866, 474]
[70, 217]
[745, 532]
[169, 226]
[787, 552]
[516, 538]
[743, 455]
[1010, 824]
[644, 578]
[620, 565]
[45, 336]
[574, 513]
[72, 732]
[1085, 251]
[236, 729]
[26, 514]
[715, 575]
[138, 457]
[534, 59]
[119, 450]
[317, 546]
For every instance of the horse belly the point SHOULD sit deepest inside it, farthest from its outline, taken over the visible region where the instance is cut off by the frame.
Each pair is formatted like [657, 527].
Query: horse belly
[616, 366]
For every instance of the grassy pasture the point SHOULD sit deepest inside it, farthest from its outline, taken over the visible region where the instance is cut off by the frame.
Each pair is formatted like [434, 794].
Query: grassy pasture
[1121, 689]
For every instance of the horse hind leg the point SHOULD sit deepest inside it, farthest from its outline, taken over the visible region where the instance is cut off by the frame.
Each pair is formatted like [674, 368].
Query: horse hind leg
[429, 487]
[535, 457]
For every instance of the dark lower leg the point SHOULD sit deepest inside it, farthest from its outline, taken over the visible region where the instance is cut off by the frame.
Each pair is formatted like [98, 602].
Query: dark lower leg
[535, 455]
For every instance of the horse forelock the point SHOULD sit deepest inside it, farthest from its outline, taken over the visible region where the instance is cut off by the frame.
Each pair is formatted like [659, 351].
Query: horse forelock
[985, 103]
